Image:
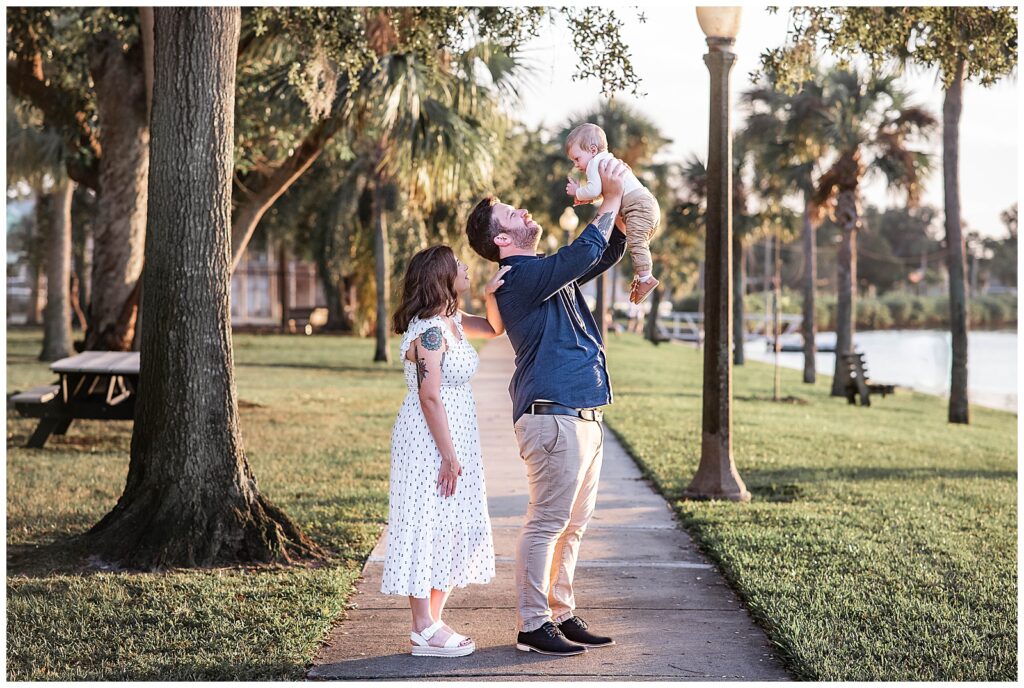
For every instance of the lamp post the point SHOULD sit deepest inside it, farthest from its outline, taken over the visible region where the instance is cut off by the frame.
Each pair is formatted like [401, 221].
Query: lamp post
[568, 221]
[716, 476]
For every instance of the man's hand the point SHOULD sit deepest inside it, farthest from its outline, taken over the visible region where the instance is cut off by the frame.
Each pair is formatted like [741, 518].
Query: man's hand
[612, 171]
[571, 187]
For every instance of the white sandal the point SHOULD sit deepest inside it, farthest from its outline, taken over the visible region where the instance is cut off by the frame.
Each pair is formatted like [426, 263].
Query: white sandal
[452, 646]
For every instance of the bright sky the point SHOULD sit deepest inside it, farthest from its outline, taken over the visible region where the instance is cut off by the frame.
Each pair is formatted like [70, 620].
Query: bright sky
[668, 52]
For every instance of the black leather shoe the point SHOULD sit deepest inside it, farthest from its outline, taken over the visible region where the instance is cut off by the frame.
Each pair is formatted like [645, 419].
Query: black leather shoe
[548, 640]
[575, 629]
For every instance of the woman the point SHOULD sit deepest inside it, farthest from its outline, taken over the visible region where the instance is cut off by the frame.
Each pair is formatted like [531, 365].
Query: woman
[439, 533]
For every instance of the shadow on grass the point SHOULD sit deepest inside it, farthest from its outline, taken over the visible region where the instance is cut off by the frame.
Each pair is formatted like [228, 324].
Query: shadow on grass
[784, 400]
[776, 492]
[798, 476]
[374, 369]
[182, 670]
[224, 671]
[70, 555]
[65, 555]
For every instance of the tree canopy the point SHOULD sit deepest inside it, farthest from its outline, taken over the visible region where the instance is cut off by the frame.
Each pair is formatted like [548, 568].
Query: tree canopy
[984, 37]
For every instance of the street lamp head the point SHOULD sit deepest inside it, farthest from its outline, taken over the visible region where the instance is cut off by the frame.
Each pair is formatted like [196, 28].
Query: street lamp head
[719, 24]
[568, 220]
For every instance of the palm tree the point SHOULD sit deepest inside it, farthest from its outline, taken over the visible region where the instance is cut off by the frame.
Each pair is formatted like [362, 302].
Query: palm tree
[84, 69]
[871, 125]
[694, 175]
[788, 133]
[431, 131]
[36, 156]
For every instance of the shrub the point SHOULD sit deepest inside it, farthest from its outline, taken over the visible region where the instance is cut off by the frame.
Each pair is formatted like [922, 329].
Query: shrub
[690, 302]
[899, 308]
[922, 312]
[872, 314]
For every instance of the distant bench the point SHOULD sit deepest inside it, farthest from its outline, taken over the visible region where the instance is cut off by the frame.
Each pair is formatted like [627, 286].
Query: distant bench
[857, 382]
[95, 385]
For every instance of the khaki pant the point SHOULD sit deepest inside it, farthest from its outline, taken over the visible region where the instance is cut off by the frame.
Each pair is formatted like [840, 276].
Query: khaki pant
[642, 215]
[563, 465]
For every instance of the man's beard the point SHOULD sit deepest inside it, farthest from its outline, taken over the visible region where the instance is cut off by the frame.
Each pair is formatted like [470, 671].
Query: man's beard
[526, 238]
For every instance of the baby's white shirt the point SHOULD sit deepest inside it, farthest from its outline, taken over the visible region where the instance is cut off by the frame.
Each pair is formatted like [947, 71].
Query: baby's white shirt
[592, 189]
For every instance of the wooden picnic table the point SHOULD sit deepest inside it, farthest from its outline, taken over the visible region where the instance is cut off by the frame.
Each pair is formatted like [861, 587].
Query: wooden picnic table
[96, 385]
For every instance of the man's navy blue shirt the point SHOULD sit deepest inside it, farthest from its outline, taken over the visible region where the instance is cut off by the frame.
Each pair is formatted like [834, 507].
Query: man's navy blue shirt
[559, 352]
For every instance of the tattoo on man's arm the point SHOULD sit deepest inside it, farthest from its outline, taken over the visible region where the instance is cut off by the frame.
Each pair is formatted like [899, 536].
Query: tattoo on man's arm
[605, 223]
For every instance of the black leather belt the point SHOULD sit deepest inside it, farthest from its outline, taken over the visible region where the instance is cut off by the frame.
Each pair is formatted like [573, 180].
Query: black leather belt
[541, 408]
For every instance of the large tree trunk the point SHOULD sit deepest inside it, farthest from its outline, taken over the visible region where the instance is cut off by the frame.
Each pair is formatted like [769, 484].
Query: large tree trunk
[810, 285]
[35, 299]
[383, 266]
[37, 264]
[120, 230]
[57, 320]
[337, 295]
[848, 219]
[337, 319]
[190, 498]
[739, 326]
[282, 283]
[951, 106]
[651, 326]
[334, 284]
[76, 303]
[83, 215]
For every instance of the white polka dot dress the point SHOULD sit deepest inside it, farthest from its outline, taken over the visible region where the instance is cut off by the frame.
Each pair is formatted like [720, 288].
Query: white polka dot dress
[434, 542]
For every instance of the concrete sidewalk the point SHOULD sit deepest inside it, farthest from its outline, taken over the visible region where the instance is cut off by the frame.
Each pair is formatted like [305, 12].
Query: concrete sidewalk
[640, 579]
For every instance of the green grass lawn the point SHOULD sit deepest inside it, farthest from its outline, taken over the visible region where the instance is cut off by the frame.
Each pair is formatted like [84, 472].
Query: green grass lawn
[880, 543]
[316, 419]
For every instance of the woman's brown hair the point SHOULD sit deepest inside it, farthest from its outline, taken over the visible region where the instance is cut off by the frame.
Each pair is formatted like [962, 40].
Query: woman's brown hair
[428, 287]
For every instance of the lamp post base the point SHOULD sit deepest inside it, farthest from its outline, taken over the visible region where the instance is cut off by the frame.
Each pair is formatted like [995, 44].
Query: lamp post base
[716, 476]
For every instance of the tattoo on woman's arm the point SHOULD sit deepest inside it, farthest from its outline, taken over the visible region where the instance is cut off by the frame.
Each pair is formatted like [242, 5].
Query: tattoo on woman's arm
[421, 372]
[432, 338]
[605, 223]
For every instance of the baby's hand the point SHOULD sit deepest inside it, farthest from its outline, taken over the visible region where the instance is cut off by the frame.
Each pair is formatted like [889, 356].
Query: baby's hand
[570, 188]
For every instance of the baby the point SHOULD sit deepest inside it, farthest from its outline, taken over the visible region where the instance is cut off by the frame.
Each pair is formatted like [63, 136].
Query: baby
[587, 146]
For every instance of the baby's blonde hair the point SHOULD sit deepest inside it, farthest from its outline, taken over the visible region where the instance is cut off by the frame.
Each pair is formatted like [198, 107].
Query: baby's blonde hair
[585, 136]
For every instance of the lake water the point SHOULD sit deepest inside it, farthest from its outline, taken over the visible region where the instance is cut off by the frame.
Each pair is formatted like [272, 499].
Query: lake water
[920, 360]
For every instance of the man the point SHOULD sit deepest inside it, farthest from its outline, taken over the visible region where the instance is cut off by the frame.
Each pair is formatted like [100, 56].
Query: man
[558, 386]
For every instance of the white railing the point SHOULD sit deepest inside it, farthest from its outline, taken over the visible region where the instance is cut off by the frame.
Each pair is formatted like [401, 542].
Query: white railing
[688, 326]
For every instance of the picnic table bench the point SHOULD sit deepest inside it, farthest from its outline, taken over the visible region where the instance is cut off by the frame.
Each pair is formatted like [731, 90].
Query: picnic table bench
[857, 382]
[96, 385]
